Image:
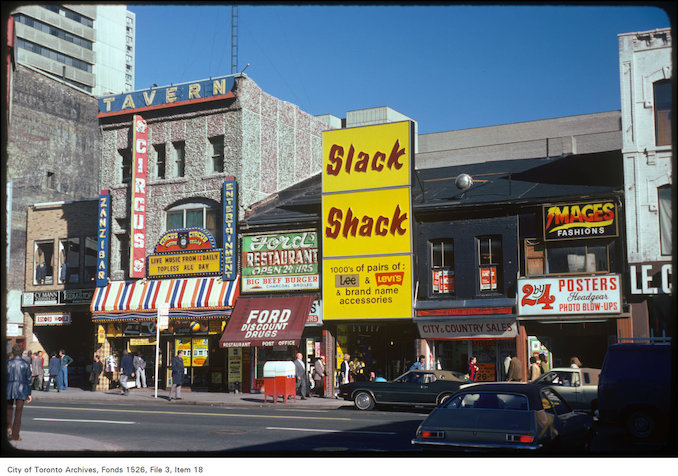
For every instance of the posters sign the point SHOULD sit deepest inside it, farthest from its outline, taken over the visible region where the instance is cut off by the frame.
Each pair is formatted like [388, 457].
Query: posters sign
[569, 295]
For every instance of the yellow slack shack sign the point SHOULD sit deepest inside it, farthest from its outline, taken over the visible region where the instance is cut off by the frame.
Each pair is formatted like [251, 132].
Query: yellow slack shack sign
[367, 240]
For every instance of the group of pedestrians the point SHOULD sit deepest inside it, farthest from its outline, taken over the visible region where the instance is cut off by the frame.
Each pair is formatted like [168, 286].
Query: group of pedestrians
[57, 370]
[318, 375]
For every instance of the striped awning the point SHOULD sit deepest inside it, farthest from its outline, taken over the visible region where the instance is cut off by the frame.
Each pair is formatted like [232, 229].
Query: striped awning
[191, 294]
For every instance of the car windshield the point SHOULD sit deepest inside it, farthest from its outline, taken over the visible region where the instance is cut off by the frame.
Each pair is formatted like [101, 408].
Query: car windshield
[416, 377]
[488, 401]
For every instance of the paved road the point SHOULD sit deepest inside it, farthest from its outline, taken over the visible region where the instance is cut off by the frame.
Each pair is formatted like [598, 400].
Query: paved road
[196, 428]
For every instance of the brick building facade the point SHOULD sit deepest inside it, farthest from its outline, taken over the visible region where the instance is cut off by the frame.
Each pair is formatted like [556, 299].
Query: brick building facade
[53, 147]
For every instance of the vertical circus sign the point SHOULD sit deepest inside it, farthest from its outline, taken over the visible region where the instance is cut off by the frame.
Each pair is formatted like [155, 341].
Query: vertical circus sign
[230, 220]
[103, 238]
[138, 222]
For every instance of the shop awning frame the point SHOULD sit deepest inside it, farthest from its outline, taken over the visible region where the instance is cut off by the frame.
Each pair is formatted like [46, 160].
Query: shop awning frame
[258, 321]
[204, 295]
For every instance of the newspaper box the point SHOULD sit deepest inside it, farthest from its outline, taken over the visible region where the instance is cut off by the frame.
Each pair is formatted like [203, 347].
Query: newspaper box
[279, 380]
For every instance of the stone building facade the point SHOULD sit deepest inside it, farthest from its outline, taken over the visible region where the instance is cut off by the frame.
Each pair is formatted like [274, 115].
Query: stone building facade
[645, 70]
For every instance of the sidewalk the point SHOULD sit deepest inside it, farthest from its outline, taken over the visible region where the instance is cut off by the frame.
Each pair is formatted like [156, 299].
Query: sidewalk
[48, 442]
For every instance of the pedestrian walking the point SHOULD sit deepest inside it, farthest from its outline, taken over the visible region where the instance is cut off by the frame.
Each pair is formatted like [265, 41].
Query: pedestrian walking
[575, 363]
[543, 363]
[54, 367]
[66, 360]
[177, 375]
[37, 365]
[97, 368]
[319, 375]
[126, 371]
[18, 391]
[345, 370]
[535, 370]
[300, 374]
[472, 368]
[515, 371]
[140, 370]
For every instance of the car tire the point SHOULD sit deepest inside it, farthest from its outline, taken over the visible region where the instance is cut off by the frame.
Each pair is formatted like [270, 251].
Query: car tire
[363, 401]
[442, 398]
[641, 423]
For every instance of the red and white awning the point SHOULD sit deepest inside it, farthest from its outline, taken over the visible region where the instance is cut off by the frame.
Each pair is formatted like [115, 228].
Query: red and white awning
[181, 294]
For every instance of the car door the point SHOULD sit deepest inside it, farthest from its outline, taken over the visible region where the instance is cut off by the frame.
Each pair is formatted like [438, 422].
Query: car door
[408, 388]
[572, 430]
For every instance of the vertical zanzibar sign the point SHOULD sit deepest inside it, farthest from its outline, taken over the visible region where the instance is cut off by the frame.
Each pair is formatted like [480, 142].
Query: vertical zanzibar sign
[103, 238]
[366, 208]
[230, 220]
[137, 266]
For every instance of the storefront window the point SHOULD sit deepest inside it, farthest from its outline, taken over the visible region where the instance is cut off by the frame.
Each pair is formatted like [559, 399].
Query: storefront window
[442, 266]
[490, 259]
[90, 259]
[43, 257]
[662, 112]
[217, 154]
[69, 260]
[160, 161]
[179, 158]
[201, 215]
[576, 259]
[126, 157]
[665, 222]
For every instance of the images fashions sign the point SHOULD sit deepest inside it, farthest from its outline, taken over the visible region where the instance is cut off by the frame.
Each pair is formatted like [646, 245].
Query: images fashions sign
[569, 295]
[569, 221]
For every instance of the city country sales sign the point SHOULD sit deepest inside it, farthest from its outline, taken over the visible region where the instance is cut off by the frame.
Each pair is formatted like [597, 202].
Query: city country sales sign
[576, 295]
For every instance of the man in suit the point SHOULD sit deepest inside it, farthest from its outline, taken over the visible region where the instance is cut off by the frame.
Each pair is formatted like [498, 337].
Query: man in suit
[345, 370]
[302, 379]
[319, 376]
[515, 371]
[177, 375]
[126, 371]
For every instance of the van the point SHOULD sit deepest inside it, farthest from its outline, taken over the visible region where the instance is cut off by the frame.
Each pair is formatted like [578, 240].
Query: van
[634, 388]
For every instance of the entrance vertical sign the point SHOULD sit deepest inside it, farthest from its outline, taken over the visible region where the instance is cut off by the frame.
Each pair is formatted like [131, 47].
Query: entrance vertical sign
[103, 238]
[137, 266]
[162, 323]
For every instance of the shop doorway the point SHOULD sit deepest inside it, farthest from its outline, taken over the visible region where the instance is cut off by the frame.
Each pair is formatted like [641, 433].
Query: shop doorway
[387, 349]
[490, 354]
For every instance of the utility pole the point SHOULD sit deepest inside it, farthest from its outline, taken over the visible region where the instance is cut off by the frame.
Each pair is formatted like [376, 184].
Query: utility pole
[234, 39]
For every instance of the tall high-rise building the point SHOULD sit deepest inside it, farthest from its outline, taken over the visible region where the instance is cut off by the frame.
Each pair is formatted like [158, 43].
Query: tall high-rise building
[88, 46]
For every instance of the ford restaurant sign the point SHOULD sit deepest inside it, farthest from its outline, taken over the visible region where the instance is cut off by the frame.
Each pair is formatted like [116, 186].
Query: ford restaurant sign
[167, 96]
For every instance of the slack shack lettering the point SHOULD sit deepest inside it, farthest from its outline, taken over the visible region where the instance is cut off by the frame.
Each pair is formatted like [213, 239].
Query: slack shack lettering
[380, 225]
[376, 162]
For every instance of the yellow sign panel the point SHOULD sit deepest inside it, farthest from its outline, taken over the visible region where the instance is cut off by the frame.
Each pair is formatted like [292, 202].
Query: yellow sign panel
[367, 157]
[200, 353]
[367, 287]
[182, 264]
[367, 223]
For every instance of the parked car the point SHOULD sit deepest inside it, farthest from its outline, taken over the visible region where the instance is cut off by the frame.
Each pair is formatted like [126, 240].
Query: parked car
[634, 388]
[579, 387]
[426, 388]
[505, 416]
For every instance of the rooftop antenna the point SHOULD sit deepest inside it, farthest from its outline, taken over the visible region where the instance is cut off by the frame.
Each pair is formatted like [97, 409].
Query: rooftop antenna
[234, 39]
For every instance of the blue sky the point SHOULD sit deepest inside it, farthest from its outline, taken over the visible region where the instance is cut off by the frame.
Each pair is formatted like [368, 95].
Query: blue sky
[447, 67]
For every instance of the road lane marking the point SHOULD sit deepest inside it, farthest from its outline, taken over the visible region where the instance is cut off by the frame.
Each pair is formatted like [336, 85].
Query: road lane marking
[87, 421]
[166, 412]
[333, 431]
